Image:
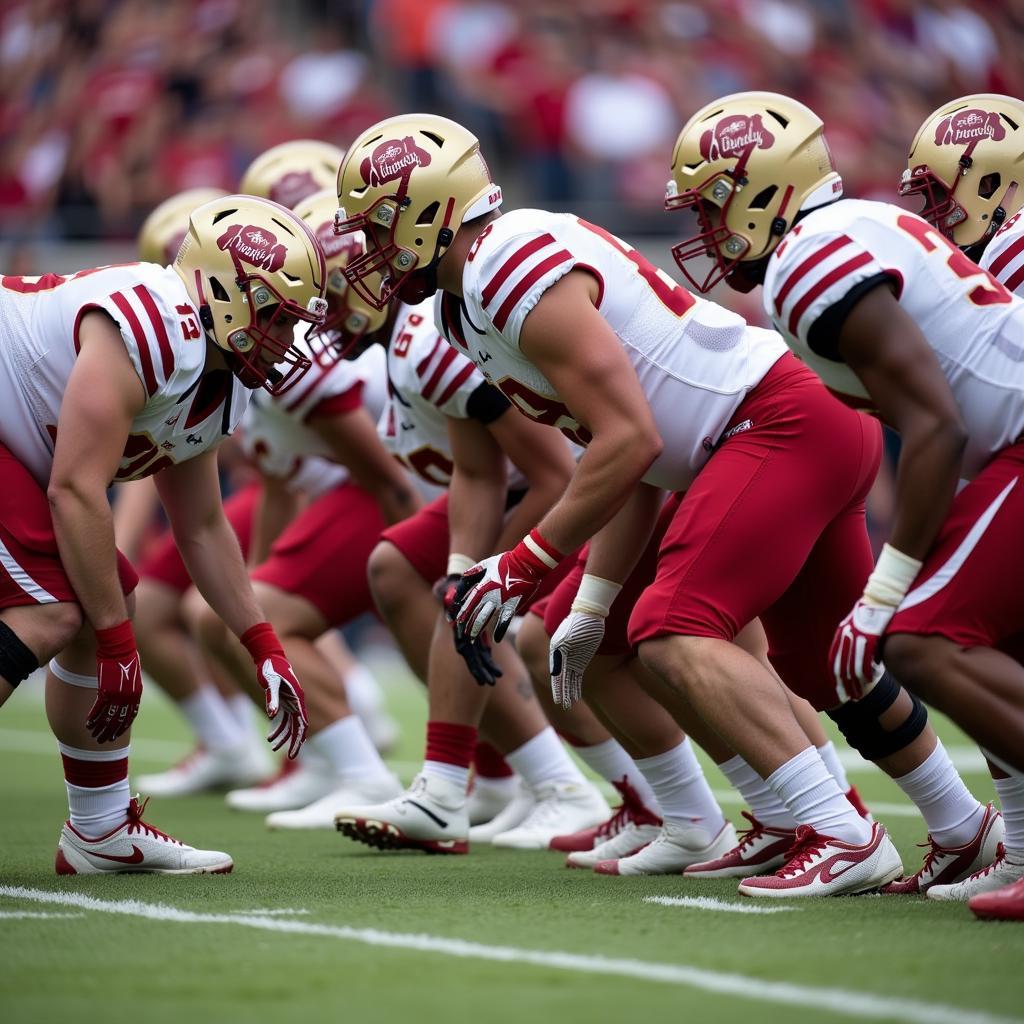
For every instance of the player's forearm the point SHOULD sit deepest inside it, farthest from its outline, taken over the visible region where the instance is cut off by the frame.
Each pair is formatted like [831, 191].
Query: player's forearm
[134, 510]
[396, 498]
[536, 503]
[616, 548]
[476, 509]
[214, 561]
[84, 528]
[274, 511]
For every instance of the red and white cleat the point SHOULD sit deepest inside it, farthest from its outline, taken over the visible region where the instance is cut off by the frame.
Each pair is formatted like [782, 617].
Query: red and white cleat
[761, 850]
[1006, 904]
[1003, 871]
[134, 847]
[632, 839]
[947, 866]
[632, 810]
[673, 849]
[205, 770]
[824, 866]
[296, 785]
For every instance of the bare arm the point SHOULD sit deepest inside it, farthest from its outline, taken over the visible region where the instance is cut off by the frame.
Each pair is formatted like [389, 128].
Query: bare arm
[573, 346]
[617, 547]
[477, 493]
[887, 351]
[190, 492]
[353, 440]
[102, 397]
[134, 510]
[276, 508]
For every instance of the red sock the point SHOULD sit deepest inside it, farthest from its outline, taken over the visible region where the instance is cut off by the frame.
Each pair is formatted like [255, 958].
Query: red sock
[489, 763]
[450, 743]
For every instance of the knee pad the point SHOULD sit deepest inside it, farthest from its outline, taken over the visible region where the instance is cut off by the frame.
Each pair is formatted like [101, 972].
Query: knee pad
[17, 662]
[858, 721]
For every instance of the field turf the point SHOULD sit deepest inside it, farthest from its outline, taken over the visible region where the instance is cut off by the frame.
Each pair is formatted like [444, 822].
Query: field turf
[312, 927]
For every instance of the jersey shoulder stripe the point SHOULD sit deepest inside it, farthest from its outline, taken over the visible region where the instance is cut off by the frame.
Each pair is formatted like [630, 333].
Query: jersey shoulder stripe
[805, 267]
[424, 364]
[141, 342]
[517, 258]
[445, 361]
[457, 381]
[164, 343]
[526, 283]
[823, 284]
[1007, 256]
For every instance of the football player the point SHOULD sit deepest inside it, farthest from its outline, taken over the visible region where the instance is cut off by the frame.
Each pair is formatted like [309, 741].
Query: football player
[897, 319]
[113, 374]
[669, 392]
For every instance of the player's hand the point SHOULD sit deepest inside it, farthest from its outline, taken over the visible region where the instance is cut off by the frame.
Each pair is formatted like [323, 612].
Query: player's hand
[475, 652]
[281, 690]
[572, 647]
[499, 584]
[854, 650]
[119, 679]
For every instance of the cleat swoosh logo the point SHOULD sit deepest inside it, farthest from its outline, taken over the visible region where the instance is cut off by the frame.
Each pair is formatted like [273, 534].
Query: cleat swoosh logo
[835, 868]
[429, 813]
[136, 857]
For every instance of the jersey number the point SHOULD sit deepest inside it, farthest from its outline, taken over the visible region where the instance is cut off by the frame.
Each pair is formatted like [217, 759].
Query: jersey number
[400, 349]
[544, 410]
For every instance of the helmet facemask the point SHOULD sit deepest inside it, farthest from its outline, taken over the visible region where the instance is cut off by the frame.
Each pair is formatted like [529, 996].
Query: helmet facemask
[348, 323]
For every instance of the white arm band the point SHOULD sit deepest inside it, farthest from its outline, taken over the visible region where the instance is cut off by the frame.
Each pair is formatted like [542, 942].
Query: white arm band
[893, 575]
[595, 596]
[458, 564]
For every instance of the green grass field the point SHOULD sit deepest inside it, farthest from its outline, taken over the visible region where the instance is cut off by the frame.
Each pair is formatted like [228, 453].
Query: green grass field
[314, 927]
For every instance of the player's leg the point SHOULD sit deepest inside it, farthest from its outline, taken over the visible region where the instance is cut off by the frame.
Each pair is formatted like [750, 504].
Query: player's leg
[29, 636]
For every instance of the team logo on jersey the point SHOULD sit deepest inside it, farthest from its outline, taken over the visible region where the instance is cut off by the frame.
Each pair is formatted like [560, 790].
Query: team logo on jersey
[255, 246]
[393, 160]
[734, 134]
[336, 245]
[967, 126]
[291, 189]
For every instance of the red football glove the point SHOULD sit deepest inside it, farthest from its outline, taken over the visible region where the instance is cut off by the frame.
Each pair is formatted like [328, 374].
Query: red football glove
[281, 689]
[854, 650]
[498, 584]
[119, 678]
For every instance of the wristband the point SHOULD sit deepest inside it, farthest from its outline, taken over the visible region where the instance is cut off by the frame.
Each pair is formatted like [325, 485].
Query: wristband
[541, 549]
[261, 641]
[893, 575]
[117, 641]
[595, 596]
[458, 564]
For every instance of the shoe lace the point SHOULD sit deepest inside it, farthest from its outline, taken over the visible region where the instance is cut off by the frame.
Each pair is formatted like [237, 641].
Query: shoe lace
[989, 868]
[136, 824]
[806, 846]
[632, 809]
[748, 836]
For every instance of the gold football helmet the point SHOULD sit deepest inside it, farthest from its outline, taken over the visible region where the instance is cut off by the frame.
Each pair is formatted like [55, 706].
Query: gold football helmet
[253, 269]
[967, 162]
[349, 319]
[162, 231]
[292, 171]
[746, 165]
[409, 183]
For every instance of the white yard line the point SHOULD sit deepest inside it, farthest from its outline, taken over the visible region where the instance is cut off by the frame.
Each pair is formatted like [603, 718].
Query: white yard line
[840, 1001]
[707, 903]
[281, 912]
[23, 915]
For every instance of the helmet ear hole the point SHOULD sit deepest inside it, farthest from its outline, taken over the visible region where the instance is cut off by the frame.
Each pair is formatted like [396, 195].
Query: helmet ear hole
[219, 292]
[988, 185]
[428, 214]
[762, 199]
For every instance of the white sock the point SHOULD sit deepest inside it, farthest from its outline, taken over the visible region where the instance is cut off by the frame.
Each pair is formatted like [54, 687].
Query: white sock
[453, 773]
[348, 749]
[1011, 802]
[95, 810]
[613, 764]
[830, 756]
[814, 798]
[763, 803]
[544, 759]
[682, 792]
[365, 696]
[212, 720]
[952, 813]
[243, 711]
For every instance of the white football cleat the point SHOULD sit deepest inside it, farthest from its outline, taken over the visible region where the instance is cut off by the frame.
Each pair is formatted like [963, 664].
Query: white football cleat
[430, 816]
[489, 797]
[205, 770]
[671, 851]
[321, 813]
[761, 849]
[1001, 872]
[134, 847]
[297, 787]
[824, 866]
[624, 843]
[511, 815]
[559, 808]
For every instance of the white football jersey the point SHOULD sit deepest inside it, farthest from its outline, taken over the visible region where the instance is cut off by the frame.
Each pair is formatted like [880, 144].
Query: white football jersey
[695, 361]
[186, 412]
[429, 382]
[974, 325]
[1003, 257]
[277, 434]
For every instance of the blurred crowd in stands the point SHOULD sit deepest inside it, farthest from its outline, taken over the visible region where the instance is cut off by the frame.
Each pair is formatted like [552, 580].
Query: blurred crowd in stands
[107, 107]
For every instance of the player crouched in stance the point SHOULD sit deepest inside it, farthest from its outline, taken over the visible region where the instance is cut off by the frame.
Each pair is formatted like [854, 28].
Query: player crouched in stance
[114, 374]
[896, 319]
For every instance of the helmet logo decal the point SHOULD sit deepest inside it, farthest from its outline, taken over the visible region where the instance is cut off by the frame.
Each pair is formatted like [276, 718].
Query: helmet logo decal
[733, 135]
[393, 160]
[292, 188]
[967, 126]
[335, 245]
[255, 246]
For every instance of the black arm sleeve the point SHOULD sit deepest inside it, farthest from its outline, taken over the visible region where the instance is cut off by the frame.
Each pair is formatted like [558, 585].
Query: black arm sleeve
[823, 337]
[486, 403]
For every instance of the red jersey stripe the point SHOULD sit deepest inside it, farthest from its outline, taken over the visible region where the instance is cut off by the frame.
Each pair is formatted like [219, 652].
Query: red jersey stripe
[807, 265]
[1013, 282]
[825, 283]
[421, 368]
[505, 311]
[1007, 256]
[509, 266]
[314, 378]
[337, 405]
[141, 342]
[435, 379]
[457, 381]
[166, 352]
